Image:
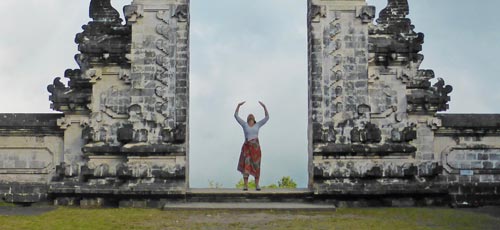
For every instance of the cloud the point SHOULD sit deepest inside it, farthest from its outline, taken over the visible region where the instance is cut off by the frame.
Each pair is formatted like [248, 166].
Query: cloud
[36, 47]
[261, 61]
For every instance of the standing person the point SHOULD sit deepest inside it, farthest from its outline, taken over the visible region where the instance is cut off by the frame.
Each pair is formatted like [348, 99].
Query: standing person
[249, 163]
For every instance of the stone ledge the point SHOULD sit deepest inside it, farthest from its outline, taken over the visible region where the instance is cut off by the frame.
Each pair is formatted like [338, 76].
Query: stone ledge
[237, 195]
[393, 149]
[173, 188]
[136, 150]
[373, 188]
[26, 193]
[19, 124]
[249, 206]
[471, 121]
[354, 170]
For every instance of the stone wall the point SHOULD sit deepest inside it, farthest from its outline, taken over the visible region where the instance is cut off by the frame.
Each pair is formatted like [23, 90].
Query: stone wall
[31, 145]
[469, 149]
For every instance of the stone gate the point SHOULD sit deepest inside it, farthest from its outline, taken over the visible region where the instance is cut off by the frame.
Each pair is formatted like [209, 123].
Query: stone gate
[375, 133]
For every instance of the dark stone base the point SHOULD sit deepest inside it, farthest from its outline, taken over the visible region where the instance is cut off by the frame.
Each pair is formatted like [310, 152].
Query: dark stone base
[363, 193]
[117, 201]
[475, 194]
[153, 189]
[239, 196]
[339, 150]
[366, 193]
[23, 193]
[422, 200]
[386, 186]
[152, 195]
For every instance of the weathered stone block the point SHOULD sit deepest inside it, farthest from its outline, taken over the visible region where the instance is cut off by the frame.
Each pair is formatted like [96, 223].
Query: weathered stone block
[123, 171]
[374, 172]
[125, 134]
[464, 179]
[429, 169]
[471, 156]
[94, 203]
[464, 165]
[483, 156]
[459, 156]
[487, 165]
[476, 164]
[66, 201]
[486, 178]
[428, 156]
[365, 150]
[133, 204]
[452, 178]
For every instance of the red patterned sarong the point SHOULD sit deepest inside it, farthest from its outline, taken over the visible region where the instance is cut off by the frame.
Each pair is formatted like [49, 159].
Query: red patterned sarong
[249, 162]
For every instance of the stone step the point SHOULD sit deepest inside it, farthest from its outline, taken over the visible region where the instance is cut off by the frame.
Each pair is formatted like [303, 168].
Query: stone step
[240, 196]
[249, 206]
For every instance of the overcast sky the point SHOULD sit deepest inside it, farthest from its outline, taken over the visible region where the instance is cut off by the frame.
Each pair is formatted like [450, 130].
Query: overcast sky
[249, 50]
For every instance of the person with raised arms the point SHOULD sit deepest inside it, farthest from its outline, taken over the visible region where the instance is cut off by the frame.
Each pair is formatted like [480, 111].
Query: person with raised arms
[249, 162]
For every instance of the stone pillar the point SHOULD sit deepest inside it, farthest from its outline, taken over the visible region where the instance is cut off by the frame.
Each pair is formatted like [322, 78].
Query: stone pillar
[338, 76]
[73, 157]
[159, 81]
[160, 65]
[371, 109]
[130, 99]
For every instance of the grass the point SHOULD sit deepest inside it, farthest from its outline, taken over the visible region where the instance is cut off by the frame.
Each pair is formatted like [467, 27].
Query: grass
[4, 204]
[377, 218]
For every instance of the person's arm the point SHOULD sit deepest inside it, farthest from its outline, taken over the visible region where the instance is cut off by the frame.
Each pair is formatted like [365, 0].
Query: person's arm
[240, 121]
[263, 121]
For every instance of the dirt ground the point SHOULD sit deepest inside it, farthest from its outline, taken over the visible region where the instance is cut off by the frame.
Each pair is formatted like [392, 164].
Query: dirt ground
[493, 211]
[25, 211]
[247, 218]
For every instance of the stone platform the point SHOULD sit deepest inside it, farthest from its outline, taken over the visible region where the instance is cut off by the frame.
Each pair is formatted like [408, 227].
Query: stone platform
[240, 196]
[237, 199]
[249, 206]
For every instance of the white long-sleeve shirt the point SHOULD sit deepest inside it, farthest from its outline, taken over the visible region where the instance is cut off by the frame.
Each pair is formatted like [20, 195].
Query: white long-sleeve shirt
[251, 132]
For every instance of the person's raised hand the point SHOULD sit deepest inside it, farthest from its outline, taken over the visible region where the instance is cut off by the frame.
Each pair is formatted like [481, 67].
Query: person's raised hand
[241, 103]
[262, 104]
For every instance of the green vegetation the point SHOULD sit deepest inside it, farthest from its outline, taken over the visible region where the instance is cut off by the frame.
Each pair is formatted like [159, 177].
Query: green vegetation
[214, 184]
[284, 182]
[4, 204]
[287, 182]
[377, 218]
